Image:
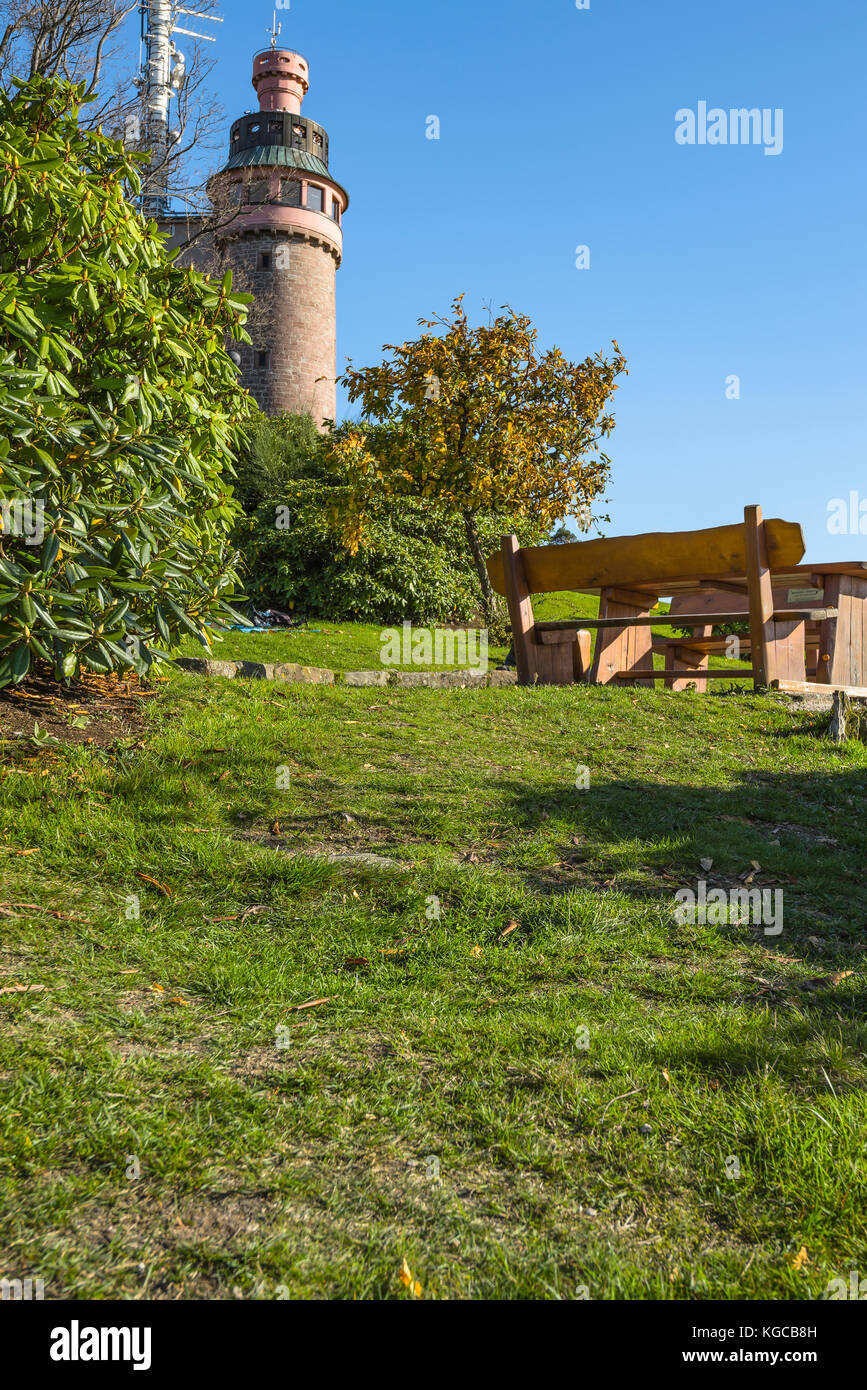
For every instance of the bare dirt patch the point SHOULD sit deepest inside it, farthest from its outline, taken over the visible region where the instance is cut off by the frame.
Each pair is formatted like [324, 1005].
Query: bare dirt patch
[356, 1054]
[95, 711]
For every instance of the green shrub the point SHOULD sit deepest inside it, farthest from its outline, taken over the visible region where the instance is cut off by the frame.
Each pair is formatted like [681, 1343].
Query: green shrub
[277, 451]
[119, 408]
[413, 561]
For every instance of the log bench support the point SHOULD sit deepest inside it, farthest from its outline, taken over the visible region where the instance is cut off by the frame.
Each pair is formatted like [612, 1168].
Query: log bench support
[541, 658]
[843, 642]
[681, 658]
[628, 647]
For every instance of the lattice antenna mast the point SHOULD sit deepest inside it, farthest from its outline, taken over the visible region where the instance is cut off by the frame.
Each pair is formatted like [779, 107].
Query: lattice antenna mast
[163, 75]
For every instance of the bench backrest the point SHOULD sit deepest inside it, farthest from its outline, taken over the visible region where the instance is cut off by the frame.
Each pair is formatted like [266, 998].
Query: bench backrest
[621, 561]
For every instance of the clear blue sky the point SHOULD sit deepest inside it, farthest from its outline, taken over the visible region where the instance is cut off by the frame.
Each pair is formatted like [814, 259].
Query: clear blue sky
[557, 130]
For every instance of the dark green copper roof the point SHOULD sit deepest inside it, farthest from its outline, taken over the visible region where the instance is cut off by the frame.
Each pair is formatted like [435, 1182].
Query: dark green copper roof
[271, 155]
[278, 154]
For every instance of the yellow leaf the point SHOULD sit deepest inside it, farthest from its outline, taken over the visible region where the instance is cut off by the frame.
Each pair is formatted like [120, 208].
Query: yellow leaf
[476, 951]
[407, 1280]
[798, 1261]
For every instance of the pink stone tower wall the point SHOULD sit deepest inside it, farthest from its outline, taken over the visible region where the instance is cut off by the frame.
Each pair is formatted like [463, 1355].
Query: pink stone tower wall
[286, 256]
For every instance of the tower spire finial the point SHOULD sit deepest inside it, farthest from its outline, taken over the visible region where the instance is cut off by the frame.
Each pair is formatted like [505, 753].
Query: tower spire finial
[275, 31]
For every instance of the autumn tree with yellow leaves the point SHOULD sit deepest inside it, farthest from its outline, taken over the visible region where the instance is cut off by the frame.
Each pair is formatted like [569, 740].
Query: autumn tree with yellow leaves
[478, 420]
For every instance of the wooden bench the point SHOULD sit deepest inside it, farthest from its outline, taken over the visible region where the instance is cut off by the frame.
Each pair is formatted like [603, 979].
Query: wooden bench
[725, 574]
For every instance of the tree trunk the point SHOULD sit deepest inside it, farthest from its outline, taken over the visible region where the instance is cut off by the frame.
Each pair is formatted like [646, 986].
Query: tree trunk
[489, 598]
[839, 717]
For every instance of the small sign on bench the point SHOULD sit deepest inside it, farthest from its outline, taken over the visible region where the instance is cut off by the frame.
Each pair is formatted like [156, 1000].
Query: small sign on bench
[804, 595]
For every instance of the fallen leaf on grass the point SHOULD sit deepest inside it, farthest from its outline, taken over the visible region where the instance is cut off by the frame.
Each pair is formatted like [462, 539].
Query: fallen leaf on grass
[476, 951]
[275, 827]
[665, 1076]
[45, 911]
[512, 926]
[355, 963]
[798, 1261]
[825, 981]
[146, 878]
[312, 1003]
[249, 911]
[408, 1281]
[22, 989]
[19, 852]
[176, 999]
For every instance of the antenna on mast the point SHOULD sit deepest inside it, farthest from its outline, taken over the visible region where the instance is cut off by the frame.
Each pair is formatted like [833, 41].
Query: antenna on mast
[163, 74]
[275, 31]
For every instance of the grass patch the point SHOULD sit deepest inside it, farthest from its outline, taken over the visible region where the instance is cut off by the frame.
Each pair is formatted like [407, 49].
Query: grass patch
[524, 1115]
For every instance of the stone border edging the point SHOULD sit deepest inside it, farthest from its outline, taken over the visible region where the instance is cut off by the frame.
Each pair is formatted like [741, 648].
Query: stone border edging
[319, 675]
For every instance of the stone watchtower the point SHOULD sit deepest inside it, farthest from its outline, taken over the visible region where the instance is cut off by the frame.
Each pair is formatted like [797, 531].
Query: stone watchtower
[285, 243]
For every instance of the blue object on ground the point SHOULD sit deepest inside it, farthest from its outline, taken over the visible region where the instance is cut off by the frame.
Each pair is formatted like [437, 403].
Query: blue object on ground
[236, 627]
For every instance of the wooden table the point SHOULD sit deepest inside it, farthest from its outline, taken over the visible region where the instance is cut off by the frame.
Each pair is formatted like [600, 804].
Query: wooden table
[827, 650]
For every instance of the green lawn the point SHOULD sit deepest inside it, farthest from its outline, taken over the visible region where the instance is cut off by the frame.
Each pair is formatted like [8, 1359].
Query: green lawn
[586, 1085]
[358, 646]
[354, 646]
